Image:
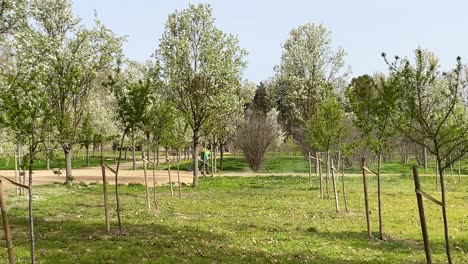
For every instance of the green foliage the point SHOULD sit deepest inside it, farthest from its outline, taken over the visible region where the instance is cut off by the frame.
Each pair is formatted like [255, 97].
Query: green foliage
[232, 219]
[427, 105]
[309, 66]
[371, 104]
[201, 64]
[325, 129]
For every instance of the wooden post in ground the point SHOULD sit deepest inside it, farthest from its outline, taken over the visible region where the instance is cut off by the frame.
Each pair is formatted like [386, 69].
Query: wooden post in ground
[155, 201]
[104, 188]
[6, 227]
[379, 196]
[366, 197]
[319, 166]
[170, 178]
[310, 171]
[178, 180]
[422, 216]
[459, 170]
[344, 192]
[145, 163]
[327, 174]
[16, 173]
[337, 207]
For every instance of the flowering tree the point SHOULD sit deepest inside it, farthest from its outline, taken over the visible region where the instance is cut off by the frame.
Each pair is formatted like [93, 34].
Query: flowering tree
[308, 67]
[428, 107]
[202, 67]
[76, 57]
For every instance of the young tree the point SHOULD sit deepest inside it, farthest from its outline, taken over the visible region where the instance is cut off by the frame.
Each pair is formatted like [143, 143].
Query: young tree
[133, 91]
[76, 56]
[428, 108]
[25, 103]
[368, 101]
[325, 130]
[202, 67]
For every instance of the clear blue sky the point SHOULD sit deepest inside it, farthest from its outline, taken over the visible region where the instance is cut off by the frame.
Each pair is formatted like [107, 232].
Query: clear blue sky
[364, 28]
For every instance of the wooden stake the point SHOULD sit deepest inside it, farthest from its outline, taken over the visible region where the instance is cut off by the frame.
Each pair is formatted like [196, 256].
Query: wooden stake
[319, 166]
[170, 179]
[148, 204]
[344, 192]
[104, 188]
[366, 197]
[310, 171]
[337, 207]
[379, 196]
[178, 179]
[437, 173]
[155, 201]
[422, 216]
[6, 227]
[16, 173]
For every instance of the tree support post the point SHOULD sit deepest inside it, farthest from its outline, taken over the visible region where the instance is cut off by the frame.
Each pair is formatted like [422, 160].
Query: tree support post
[6, 227]
[422, 216]
[366, 197]
[104, 188]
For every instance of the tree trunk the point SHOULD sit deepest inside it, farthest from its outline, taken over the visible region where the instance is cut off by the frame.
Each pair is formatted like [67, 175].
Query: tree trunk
[379, 196]
[444, 210]
[31, 218]
[125, 155]
[195, 158]
[221, 157]
[157, 154]
[133, 150]
[68, 163]
[117, 198]
[425, 158]
[148, 204]
[87, 156]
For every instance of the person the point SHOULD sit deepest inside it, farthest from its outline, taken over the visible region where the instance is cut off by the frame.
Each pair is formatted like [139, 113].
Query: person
[205, 155]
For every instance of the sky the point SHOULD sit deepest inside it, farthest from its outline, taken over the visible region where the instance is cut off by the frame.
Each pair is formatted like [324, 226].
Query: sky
[363, 28]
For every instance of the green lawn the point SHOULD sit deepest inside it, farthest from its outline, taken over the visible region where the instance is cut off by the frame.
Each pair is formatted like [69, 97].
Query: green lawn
[238, 220]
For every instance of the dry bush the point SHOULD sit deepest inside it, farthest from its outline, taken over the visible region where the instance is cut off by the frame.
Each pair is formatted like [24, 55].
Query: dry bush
[255, 137]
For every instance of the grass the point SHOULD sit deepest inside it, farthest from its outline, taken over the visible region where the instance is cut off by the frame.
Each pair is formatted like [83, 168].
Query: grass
[238, 220]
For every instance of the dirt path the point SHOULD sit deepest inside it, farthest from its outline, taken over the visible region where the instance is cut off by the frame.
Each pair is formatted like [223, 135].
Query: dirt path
[126, 175]
[94, 174]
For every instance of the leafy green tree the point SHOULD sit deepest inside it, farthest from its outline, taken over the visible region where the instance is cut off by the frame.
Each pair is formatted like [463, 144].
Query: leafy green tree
[309, 65]
[26, 111]
[133, 92]
[202, 67]
[428, 108]
[76, 57]
[369, 102]
[87, 135]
